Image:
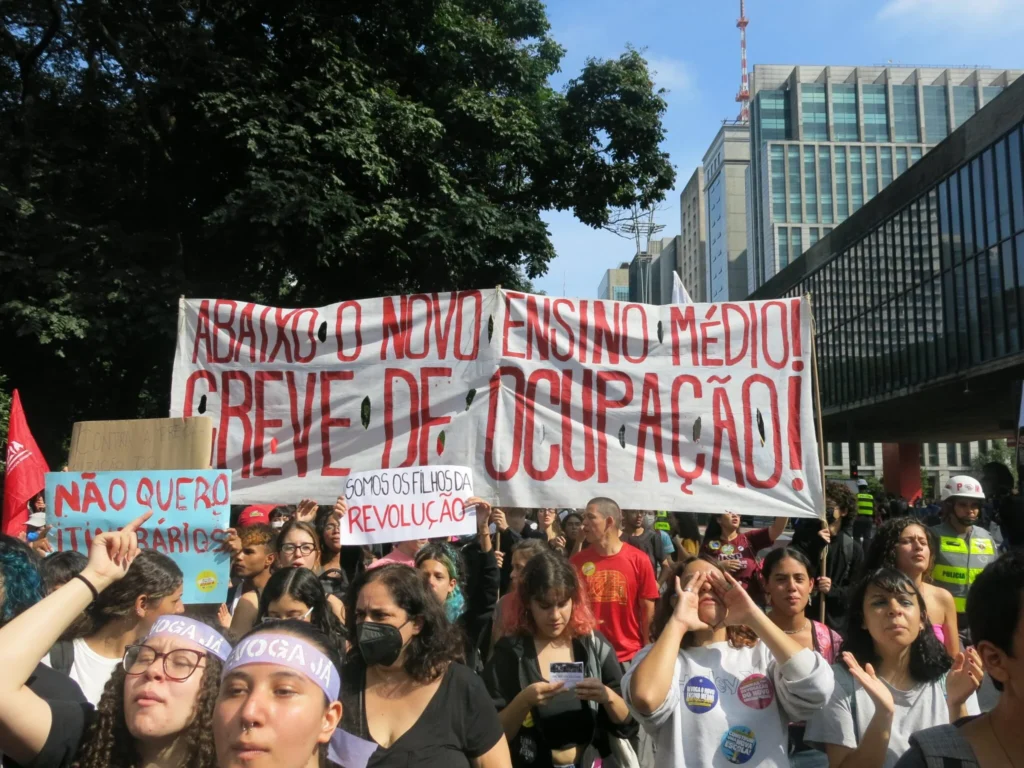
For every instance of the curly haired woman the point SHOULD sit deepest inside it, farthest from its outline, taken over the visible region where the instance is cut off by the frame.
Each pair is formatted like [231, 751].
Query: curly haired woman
[155, 710]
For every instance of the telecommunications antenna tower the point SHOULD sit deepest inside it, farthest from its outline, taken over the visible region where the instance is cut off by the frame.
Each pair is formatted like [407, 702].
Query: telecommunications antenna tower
[743, 97]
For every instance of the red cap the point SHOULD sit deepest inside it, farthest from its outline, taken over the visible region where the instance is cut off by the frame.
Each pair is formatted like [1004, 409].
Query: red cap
[255, 515]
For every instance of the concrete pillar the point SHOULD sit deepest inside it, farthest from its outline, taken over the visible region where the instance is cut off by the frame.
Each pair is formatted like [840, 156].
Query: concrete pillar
[901, 469]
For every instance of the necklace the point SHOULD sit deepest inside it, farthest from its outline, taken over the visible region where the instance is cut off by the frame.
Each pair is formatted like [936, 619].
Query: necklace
[798, 631]
[1009, 760]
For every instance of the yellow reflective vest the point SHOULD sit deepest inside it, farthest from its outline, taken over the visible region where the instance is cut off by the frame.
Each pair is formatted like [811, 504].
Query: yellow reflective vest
[865, 504]
[960, 559]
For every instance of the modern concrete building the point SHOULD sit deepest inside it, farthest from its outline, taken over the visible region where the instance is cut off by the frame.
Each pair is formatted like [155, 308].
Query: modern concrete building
[725, 167]
[693, 264]
[646, 281]
[825, 140]
[919, 300]
[939, 461]
[615, 284]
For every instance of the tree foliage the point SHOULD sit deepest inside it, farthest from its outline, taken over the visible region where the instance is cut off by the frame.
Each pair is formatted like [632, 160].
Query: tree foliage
[295, 153]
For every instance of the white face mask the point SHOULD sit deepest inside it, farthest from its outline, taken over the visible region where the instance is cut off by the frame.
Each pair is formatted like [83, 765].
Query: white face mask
[277, 524]
[648, 521]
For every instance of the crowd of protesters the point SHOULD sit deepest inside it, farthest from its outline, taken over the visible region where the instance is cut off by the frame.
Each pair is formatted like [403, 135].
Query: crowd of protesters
[733, 646]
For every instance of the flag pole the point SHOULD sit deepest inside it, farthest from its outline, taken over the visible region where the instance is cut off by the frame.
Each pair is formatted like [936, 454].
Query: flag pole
[821, 444]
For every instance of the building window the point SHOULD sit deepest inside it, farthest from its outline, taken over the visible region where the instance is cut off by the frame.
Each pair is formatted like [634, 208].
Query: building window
[842, 194]
[951, 455]
[915, 154]
[965, 99]
[620, 293]
[904, 111]
[989, 92]
[794, 184]
[868, 452]
[871, 170]
[876, 113]
[933, 454]
[836, 449]
[796, 243]
[814, 115]
[810, 185]
[812, 237]
[965, 454]
[844, 112]
[936, 116]
[983, 446]
[901, 160]
[773, 108]
[856, 180]
[783, 248]
[825, 183]
[886, 166]
[778, 162]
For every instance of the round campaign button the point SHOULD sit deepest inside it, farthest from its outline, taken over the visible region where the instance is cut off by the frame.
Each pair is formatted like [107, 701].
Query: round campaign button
[714, 545]
[206, 581]
[700, 695]
[738, 744]
[756, 692]
[588, 569]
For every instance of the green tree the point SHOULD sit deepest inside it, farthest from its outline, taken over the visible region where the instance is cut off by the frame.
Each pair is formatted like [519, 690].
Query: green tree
[999, 452]
[290, 153]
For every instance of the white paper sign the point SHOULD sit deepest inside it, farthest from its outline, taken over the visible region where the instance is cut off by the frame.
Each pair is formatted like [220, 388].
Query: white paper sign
[567, 672]
[388, 505]
[551, 401]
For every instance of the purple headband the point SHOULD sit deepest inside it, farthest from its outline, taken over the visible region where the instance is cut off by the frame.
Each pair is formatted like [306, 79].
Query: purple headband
[189, 629]
[287, 651]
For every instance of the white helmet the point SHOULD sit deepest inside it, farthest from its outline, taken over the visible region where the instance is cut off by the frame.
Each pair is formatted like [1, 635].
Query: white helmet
[964, 487]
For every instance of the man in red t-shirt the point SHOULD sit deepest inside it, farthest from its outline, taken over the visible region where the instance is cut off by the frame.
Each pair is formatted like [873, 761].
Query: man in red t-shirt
[619, 579]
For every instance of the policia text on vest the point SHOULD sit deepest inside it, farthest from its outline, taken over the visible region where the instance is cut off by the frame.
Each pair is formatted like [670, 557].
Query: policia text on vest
[960, 560]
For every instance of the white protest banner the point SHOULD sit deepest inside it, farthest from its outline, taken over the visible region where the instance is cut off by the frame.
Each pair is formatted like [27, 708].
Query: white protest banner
[550, 401]
[388, 505]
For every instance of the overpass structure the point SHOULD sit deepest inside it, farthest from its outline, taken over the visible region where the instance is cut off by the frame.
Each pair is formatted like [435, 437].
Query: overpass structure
[919, 297]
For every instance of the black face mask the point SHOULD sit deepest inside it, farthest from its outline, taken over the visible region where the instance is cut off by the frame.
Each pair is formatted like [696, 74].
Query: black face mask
[379, 644]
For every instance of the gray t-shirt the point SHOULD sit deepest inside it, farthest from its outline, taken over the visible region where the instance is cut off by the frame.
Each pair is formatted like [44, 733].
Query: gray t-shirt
[847, 715]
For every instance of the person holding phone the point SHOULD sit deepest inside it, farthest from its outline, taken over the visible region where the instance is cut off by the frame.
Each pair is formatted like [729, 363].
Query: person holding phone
[550, 632]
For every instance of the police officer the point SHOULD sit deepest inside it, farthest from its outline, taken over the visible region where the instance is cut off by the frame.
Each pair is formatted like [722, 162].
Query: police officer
[964, 548]
[864, 525]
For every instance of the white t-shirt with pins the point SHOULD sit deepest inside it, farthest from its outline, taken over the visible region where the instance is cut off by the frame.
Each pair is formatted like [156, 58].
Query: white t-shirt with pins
[733, 705]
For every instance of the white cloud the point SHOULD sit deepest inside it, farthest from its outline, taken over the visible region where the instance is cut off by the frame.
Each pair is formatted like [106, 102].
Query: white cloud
[672, 74]
[991, 14]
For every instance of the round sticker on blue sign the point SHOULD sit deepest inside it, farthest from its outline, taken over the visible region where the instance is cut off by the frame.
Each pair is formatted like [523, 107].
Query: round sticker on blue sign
[738, 744]
[700, 695]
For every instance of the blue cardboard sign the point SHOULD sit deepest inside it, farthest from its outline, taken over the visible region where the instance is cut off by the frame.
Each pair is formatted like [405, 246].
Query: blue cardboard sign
[191, 512]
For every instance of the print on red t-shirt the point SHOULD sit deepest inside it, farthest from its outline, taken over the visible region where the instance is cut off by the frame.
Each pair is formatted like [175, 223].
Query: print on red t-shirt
[744, 548]
[618, 584]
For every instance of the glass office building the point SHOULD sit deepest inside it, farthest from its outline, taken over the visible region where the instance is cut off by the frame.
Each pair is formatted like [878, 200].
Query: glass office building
[927, 281]
[825, 140]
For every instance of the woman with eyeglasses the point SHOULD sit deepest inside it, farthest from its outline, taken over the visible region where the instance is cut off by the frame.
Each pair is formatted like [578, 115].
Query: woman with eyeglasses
[332, 574]
[298, 546]
[298, 594]
[155, 709]
[279, 701]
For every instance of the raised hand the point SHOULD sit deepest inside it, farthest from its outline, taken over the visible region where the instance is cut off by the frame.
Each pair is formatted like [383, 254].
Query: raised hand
[964, 678]
[739, 605]
[498, 518]
[500, 557]
[824, 584]
[687, 601]
[232, 544]
[825, 534]
[340, 507]
[224, 617]
[558, 542]
[112, 553]
[483, 513]
[306, 511]
[876, 689]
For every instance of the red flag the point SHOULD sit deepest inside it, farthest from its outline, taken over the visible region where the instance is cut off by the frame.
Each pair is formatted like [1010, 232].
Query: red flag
[26, 470]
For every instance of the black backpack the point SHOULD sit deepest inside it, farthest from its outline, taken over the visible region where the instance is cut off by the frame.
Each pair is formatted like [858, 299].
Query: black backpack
[62, 656]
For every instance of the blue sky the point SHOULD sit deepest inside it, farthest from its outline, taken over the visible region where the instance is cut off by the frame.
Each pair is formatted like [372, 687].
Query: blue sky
[693, 45]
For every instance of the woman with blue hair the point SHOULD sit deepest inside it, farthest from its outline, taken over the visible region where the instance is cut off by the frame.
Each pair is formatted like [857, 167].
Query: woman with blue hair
[442, 567]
